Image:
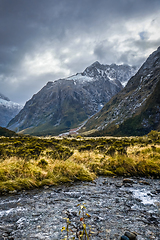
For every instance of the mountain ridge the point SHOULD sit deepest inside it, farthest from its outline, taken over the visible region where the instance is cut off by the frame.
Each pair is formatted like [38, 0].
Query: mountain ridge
[8, 110]
[122, 110]
[65, 103]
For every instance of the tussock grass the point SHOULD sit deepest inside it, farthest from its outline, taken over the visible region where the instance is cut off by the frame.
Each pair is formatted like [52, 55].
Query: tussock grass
[17, 174]
[27, 163]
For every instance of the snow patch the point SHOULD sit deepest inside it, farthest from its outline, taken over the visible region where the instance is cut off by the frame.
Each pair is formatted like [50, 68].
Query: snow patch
[10, 104]
[124, 83]
[80, 78]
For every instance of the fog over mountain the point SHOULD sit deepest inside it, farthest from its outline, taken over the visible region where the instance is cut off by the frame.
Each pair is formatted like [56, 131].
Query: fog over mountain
[43, 41]
[8, 110]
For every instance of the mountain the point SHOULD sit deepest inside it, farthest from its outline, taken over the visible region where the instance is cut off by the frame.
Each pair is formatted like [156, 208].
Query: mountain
[136, 109]
[65, 103]
[4, 97]
[8, 110]
[114, 72]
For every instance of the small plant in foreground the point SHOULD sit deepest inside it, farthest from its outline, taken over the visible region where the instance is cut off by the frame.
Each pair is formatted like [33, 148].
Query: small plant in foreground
[77, 229]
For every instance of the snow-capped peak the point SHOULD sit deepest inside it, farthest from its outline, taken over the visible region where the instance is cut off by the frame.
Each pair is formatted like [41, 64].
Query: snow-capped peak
[8, 110]
[80, 78]
[4, 97]
[10, 104]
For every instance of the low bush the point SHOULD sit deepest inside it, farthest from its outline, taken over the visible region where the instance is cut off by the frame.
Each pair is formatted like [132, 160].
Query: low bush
[72, 171]
[28, 162]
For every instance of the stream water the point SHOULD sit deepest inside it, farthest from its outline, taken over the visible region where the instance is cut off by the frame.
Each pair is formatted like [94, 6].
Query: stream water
[115, 205]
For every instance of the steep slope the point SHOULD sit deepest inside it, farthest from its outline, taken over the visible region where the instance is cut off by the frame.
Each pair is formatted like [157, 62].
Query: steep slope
[136, 109]
[6, 133]
[4, 97]
[113, 72]
[8, 110]
[65, 103]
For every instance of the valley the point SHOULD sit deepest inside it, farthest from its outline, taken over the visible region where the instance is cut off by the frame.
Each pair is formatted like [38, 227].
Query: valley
[44, 180]
[113, 205]
[65, 104]
[79, 120]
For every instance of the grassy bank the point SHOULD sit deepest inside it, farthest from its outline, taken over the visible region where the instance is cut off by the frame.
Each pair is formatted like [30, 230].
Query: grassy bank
[28, 162]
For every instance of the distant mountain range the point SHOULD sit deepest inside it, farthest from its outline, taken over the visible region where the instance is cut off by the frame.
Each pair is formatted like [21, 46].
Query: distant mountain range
[8, 110]
[136, 109]
[64, 104]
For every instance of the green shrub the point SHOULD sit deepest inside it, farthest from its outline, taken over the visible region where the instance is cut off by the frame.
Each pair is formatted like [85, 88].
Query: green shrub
[70, 171]
[101, 148]
[154, 135]
[111, 151]
[42, 163]
[85, 148]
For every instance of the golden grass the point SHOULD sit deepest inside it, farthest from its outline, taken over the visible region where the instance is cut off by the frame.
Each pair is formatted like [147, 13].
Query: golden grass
[17, 173]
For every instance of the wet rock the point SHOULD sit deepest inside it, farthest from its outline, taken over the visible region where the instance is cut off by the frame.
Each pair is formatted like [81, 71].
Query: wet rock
[124, 238]
[153, 220]
[105, 183]
[58, 190]
[128, 180]
[118, 185]
[97, 218]
[127, 184]
[40, 214]
[13, 192]
[154, 192]
[158, 190]
[7, 228]
[144, 182]
[117, 200]
[94, 182]
[73, 194]
[131, 235]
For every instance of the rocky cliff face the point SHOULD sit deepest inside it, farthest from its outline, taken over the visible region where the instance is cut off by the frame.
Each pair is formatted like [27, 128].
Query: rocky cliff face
[115, 73]
[136, 109]
[65, 103]
[8, 110]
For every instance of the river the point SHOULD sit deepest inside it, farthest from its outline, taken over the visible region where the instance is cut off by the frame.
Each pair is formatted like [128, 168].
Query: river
[114, 205]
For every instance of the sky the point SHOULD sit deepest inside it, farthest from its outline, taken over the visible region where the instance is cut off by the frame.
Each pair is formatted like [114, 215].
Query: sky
[44, 40]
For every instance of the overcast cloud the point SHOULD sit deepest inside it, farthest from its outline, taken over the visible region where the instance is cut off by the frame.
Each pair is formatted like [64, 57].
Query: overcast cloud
[44, 40]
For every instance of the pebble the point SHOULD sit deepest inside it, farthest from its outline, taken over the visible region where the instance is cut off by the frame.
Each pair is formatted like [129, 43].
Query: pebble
[118, 185]
[128, 180]
[111, 205]
[46, 187]
[144, 182]
[131, 236]
[7, 228]
[124, 238]
[13, 192]
[158, 190]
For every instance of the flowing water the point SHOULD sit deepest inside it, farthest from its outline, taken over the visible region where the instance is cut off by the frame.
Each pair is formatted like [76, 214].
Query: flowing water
[114, 207]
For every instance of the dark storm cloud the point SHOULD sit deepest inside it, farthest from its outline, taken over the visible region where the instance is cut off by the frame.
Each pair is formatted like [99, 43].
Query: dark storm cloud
[44, 40]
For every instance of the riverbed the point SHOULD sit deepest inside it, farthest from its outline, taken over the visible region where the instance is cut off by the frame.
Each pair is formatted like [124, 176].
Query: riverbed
[113, 205]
